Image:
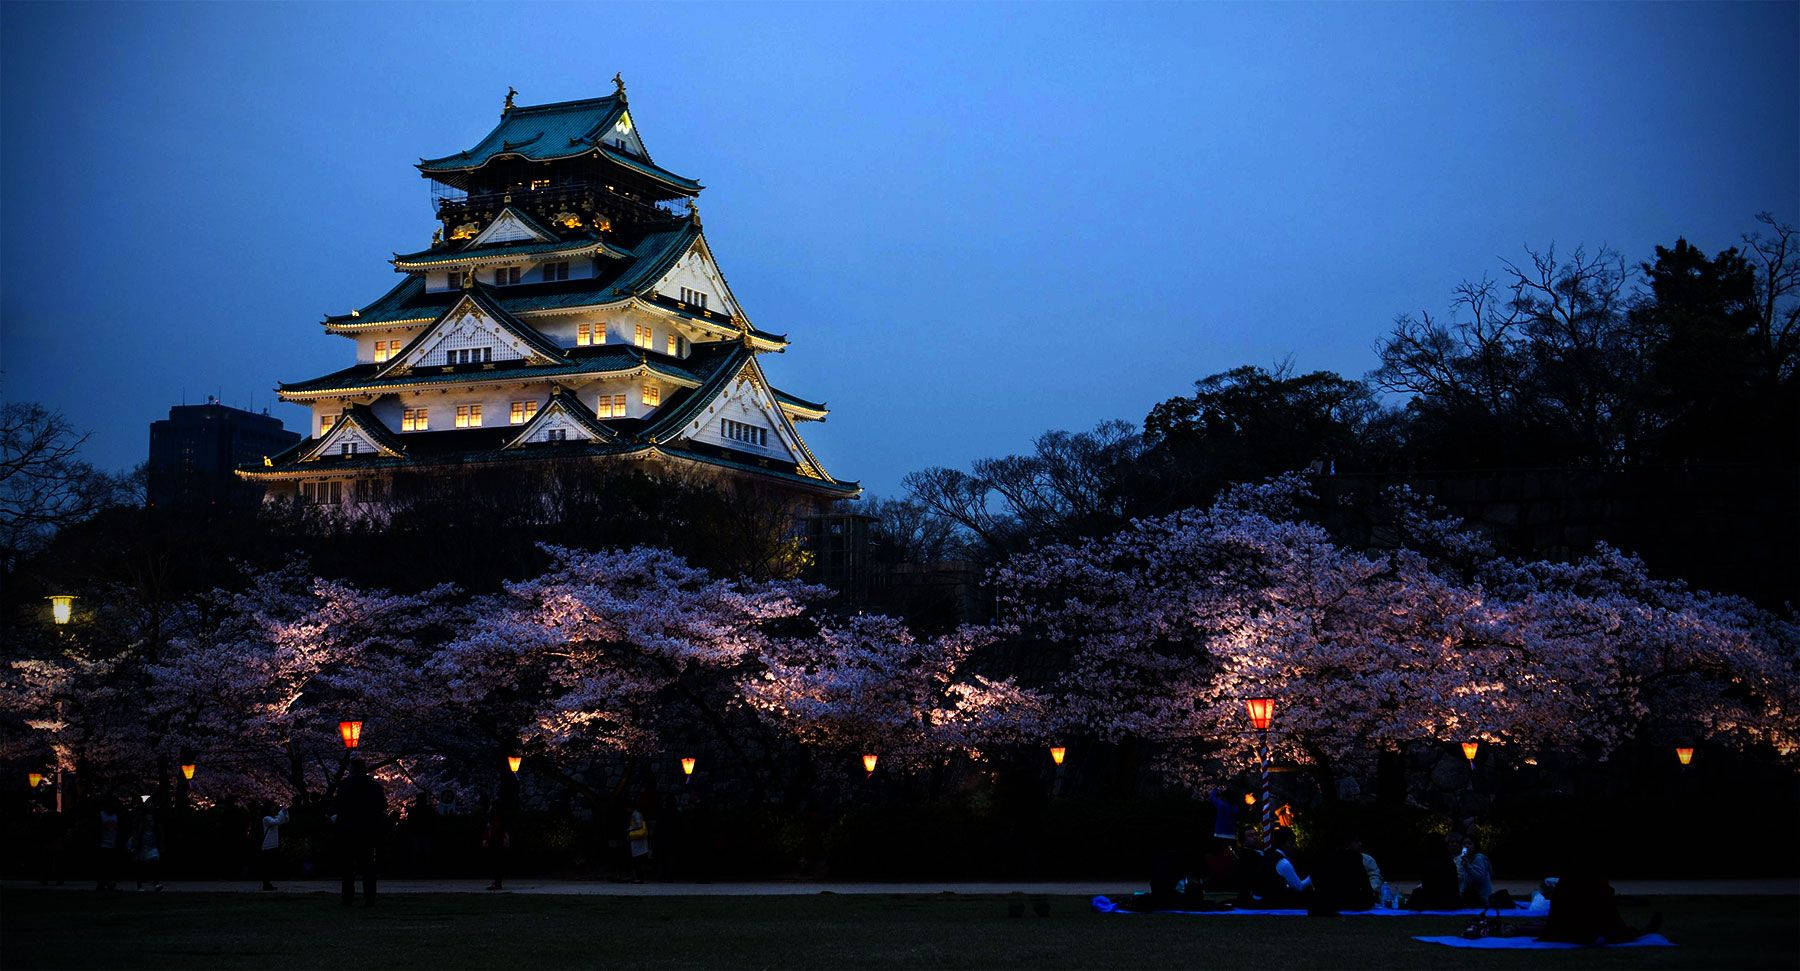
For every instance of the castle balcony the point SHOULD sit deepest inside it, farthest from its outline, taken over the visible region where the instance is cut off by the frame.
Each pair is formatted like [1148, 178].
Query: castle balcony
[455, 206]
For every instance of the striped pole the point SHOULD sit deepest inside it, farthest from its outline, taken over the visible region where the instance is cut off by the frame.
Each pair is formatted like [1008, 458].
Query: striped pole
[1268, 804]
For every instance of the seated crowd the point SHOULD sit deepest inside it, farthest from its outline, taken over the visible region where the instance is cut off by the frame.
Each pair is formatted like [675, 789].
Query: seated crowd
[1344, 877]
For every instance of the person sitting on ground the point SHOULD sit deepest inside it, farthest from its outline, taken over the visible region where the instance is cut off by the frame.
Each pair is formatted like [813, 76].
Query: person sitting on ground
[1437, 885]
[1342, 881]
[1282, 885]
[1584, 909]
[1474, 874]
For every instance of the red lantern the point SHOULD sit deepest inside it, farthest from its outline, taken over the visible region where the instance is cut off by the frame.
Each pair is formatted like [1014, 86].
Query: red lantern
[351, 733]
[1262, 712]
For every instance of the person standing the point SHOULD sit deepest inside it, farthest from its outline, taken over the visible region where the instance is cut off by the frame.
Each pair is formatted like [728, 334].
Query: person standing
[106, 848]
[146, 847]
[637, 833]
[268, 859]
[361, 812]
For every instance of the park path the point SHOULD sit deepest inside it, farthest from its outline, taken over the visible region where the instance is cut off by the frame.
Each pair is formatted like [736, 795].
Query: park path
[1084, 888]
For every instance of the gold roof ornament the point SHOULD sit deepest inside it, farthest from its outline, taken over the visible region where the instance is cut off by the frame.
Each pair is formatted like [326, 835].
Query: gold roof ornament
[437, 237]
[694, 211]
[619, 85]
[508, 106]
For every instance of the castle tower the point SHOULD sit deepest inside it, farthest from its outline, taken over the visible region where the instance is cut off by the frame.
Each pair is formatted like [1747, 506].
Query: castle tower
[568, 307]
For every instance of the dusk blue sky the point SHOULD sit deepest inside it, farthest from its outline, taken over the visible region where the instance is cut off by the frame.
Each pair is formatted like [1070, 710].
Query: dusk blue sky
[975, 222]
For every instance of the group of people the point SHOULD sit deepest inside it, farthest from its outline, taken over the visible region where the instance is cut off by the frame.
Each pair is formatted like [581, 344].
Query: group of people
[1344, 877]
[359, 821]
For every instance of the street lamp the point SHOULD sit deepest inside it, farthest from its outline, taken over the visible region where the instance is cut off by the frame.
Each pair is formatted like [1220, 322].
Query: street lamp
[187, 771]
[351, 733]
[869, 763]
[512, 762]
[1684, 754]
[1057, 752]
[62, 606]
[1469, 750]
[1262, 715]
[34, 779]
[1249, 798]
[687, 767]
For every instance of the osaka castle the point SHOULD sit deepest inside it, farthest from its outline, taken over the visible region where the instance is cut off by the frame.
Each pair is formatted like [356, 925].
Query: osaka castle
[568, 308]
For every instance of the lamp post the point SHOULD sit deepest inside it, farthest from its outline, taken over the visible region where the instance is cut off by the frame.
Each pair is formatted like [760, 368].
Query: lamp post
[351, 733]
[34, 779]
[1469, 750]
[512, 762]
[187, 771]
[1262, 715]
[1057, 752]
[62, 610]
[869, 761]
[687, 769]
[1684, 754]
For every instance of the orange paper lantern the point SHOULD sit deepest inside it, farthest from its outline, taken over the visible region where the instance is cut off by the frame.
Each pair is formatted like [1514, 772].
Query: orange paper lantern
[1262, 712]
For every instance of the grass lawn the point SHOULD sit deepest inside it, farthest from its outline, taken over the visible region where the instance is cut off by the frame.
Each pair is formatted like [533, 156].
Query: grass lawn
[217, 930]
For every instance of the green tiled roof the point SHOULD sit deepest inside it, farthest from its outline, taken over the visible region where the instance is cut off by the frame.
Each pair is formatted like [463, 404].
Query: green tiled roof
[561, 130]
[649, 259]
[748, 464]
[607, 359]
[444, 255]
[798, 401]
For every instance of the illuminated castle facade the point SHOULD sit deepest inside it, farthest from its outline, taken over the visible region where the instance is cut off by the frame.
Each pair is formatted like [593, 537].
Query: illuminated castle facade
[569, 307]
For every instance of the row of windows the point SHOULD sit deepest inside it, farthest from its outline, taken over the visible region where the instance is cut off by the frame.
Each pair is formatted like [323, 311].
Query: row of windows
[694, 297]
[586, 335]
[469, 415]
[737, 431]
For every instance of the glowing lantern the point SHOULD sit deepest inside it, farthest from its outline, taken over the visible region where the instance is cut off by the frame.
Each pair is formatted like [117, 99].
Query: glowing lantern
[1249, 798]
[687, 766]
[351, 732]
[61, 607]
[1057, 752]
[1685, 754]
[187, 771]
[35, 779]
[1262, 712]
[512, 762]
[1469, 750]
[869, 763]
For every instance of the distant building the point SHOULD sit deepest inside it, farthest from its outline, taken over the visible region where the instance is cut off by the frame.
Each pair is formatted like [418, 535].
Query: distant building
[839, 543]
[194, 452]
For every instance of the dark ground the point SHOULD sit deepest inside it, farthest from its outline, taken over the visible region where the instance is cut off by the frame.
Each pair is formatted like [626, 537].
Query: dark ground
[214, 930]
